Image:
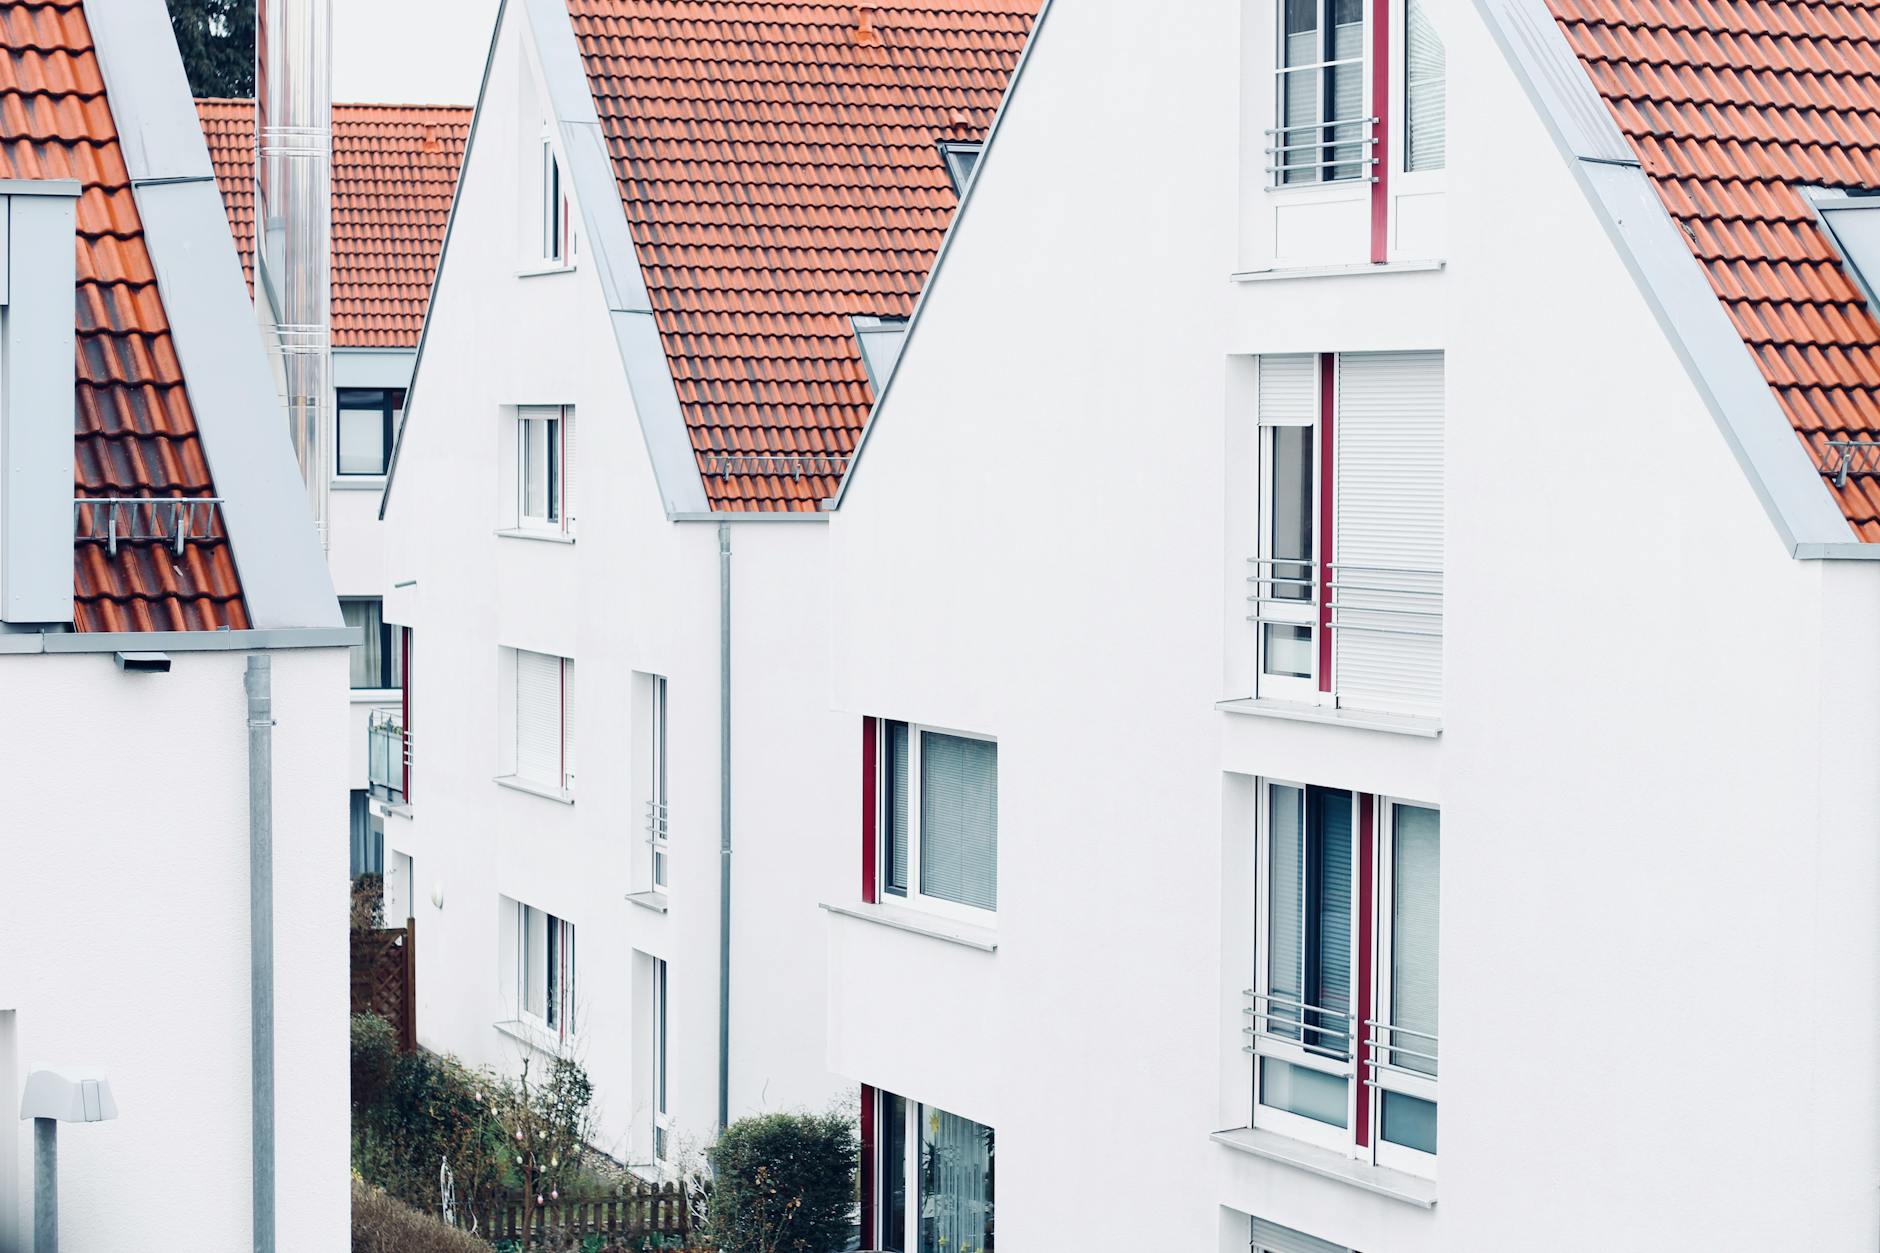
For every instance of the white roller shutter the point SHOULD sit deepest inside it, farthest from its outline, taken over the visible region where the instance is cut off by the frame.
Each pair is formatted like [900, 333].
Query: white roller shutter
[538, 718]
[567, 723]
[1289, 390]
[1388, 549]
[1270, 1237]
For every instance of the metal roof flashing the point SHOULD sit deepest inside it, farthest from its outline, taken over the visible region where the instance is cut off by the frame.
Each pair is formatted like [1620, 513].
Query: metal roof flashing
[284, 576]
[1681, 299]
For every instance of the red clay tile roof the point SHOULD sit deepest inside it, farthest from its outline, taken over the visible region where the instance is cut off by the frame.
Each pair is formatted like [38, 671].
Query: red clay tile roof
[394, 172]
[1733, 106]
[136, 434]
[780, 167]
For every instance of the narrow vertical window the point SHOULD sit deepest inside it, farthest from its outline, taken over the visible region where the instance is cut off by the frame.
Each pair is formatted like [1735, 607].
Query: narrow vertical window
[894, 864]
[894, 1173]
[1323, 133]
[1284, 579]
[662, 1122]
[1406, 1053]
[1425, 91]
[544, 745]
[545, 975]
[657, 831]
[539, 465]
[554, 207]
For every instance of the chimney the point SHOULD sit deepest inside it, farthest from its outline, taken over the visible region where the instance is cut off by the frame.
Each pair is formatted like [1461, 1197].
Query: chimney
[293, 213]
[865, 32]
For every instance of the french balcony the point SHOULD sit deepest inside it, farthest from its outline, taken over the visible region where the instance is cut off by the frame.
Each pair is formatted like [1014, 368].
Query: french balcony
[388, 756]
[1384, 624]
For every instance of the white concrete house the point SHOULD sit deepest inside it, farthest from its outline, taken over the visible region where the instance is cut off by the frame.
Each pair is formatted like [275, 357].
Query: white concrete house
[171, 667]
[681, 254]
[1375, 512]
[394, 173]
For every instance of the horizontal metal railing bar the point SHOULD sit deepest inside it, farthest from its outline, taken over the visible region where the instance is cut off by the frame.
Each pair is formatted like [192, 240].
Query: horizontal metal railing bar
[1280, 561]
[1327, 163]
[1346, 565]
[1391, 1026]
[1275, 999]
[1406, 613]
[1372, 630]
[1376, 1043]
[1304, 580]
[1372, 141]
[1316, 126]
[1296, 1024]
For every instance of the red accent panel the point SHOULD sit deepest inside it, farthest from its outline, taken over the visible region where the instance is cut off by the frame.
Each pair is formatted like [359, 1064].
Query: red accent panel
[404, 702]
[1367, 1007]
[1328, 366]
[871, 1169]
[871, 808]
[1380, 109]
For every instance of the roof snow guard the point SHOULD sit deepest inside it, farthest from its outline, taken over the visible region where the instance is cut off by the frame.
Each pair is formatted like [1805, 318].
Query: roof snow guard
[1737, 113]
[781, 171]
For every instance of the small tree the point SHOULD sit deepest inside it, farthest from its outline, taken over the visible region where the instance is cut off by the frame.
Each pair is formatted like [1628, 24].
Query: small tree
[217, 40]
[783, 1183]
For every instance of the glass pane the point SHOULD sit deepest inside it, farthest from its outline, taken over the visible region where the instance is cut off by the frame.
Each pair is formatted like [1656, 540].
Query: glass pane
[534, 962]
[660, 1095]
[1409, 1122]
[1308, 1093]
[894, 876]
[1344, 93]
[1415, 897]
[534, 468]
[1285, 944]
[1290, 519]
[955, 1184]
[893, 1173]
[368, 656]
[1328, 932]
[1296, 152]
[1302, 19]
[1425, 90]
[959, 820]
[362, 441]
[1288, 651]
[554, 972]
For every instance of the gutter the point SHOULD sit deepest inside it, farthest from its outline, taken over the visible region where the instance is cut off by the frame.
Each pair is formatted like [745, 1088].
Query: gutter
[31, 642]
[258, 682]
[724, 825]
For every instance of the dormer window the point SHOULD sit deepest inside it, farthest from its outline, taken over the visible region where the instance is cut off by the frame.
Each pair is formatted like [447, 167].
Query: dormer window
[961, 160]
[1323, 134]
[881, 340]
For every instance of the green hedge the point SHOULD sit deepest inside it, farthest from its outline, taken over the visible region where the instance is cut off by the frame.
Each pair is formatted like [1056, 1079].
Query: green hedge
[784, 1182]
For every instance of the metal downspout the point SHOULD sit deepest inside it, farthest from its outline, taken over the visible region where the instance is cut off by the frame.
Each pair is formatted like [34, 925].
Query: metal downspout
[258, 683]
[724, 825]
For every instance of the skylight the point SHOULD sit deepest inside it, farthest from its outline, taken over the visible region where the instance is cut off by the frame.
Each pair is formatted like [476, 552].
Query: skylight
[881, 340]
[1852, 220]
[962, 160]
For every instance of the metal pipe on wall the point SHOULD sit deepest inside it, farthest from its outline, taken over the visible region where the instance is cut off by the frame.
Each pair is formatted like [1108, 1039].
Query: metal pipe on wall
[724, 825]
[258, 683]
[294, 220]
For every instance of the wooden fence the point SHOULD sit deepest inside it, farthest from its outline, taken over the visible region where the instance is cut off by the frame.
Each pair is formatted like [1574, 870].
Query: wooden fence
[644, 1210]
[385, 978]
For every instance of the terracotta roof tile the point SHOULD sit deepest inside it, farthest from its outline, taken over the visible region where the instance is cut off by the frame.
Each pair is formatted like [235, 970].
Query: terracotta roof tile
[1734, 106]
[780, 167]
[135, 433]
[394, 172]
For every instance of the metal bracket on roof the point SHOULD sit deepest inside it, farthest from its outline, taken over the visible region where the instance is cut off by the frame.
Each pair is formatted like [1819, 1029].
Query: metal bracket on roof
[725, 465]
[1851, 457]
[172, 520]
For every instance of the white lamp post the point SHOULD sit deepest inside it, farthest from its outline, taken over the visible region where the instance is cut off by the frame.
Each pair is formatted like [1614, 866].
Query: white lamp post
[50, 1099]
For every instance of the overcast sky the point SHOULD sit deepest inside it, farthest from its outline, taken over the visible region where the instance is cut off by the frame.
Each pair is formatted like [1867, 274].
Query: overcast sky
[410, 51]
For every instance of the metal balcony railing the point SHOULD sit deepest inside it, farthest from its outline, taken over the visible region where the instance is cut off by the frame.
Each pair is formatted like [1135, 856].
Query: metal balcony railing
[1399, 1052]
[388, 755]
[174, 521]
[1322, 152]
[1294, 1024]
[657, 839]
[1387, 600]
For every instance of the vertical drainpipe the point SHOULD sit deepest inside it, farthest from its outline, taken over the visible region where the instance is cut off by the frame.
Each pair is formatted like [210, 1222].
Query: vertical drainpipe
[258, 683]
[724, 825]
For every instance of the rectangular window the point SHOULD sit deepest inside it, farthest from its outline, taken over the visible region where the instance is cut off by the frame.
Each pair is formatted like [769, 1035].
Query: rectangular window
[557, 230]
[934, 1172]
[375, 658]
[1324, 134]
[962, 160]
[545, 970]
[1345, 1050]
[1425, 129]
[940, 819]
[662, 1121]
[657, 829]
[544, 720]
[542, 467]
[1285, 574]
[367, 422]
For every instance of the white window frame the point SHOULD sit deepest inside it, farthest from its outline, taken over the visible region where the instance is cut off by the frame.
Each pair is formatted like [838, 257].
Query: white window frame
[1305, 613]
[564, 719]
[1404, 180]
[391, 413]
[553, 517]
[1384, 1153]
[555, 213]
[557, 1017]
[1268, 1117]
[915, 897]
[658, 811]
[1367, 109]
[662, 1113]
[913, 1114]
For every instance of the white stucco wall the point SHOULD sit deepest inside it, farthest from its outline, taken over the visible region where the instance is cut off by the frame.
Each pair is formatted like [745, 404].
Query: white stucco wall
[633, 594]
[125, 933]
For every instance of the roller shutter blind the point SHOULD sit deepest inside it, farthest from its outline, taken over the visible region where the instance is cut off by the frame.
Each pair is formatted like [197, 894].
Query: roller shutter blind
[567, 724]
[1425, 91]
[538, 718]
[1270, 1237]
[1388, 549]
[1289, 389]
[959, 819]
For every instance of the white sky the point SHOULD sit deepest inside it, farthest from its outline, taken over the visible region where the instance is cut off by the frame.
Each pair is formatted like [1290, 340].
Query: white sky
[410, 51]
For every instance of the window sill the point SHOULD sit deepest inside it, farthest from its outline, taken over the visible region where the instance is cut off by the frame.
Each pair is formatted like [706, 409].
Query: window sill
[546, 537]
[914, 922]
[359, 482]
[537, 1038]
[552, 267]
[391, 809]
[1393, 724]
[1330, 1164]
[545, 791]
[377, 696]
[655, 901]
[1280, 274]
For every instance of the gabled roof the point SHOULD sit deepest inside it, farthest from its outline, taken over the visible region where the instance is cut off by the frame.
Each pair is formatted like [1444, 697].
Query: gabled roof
[1734, 109]
[136, 431]
[780, 168]
[394, 171]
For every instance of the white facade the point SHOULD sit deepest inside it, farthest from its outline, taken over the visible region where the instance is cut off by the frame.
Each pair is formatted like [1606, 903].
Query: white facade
[627, 596]
[1645, 755]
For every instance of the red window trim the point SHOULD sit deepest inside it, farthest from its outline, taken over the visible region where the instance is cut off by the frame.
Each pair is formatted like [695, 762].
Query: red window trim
[1328, 368]
[871, 807]
[404, 701]
[1367, 987]
[871, 1169]
[1380, 109]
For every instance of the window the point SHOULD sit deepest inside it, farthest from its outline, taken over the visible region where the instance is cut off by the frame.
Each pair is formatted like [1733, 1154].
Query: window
[543, 444]
[881, 340]
[962, 160]
[368, 426]
[1424, 128]
[1285, 574]
[1270, 1237]
[657, 829]
[375, 658]
[557, 225]
[1323, 134]
[544, 720]
[545, 971]
[940, 819]
[1346, 1051]
[662, 1118]
[931, 1174]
